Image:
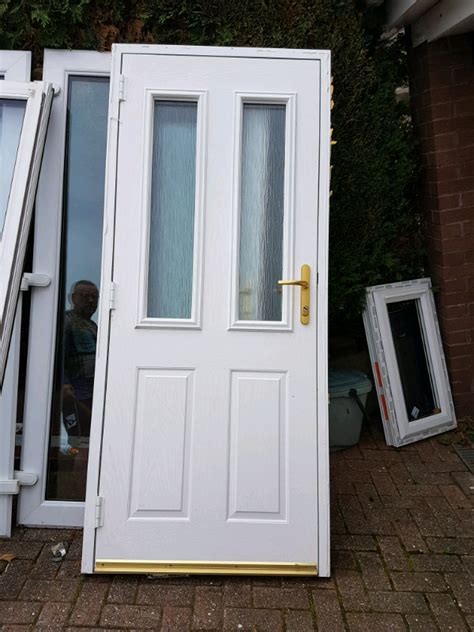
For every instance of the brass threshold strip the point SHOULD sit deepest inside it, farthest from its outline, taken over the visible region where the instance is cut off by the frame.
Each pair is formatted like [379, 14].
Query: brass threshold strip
[204, 568]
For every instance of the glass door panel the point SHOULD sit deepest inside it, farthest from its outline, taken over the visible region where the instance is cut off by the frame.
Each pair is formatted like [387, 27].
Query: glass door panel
[86, 134]
[171, 247]
[262, 183]
[410, 349]
[12, 112]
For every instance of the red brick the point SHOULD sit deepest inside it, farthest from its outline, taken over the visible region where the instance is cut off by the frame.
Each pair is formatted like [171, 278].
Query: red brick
[20, 550]
[453, 546]
[207, 608]
[13, 578]
[446, 612]
[421, 623]
[373, 572]
[89, 604]
[237, 593]
[402, 602]
[375, 622]
[22, 612]
[156, 593]
[410, 537]
[299, 621]
[352, 590]
[295, 598]
[394, 556]
[124, 616]
[54, 615]
[249, 620]
[328, 611]
[436, 563]
[176, 619]
[462, 586]
[455, 497]
[49, 535]
[418, 582]
[50, 590]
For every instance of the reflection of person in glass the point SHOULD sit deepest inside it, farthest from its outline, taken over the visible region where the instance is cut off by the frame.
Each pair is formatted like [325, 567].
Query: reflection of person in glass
[80, 340]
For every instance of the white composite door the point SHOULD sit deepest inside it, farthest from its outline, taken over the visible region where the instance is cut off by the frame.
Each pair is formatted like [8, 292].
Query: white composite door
[211, 445]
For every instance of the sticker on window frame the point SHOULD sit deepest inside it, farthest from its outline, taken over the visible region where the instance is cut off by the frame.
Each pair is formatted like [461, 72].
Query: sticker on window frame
[38, 97]
[408, 363]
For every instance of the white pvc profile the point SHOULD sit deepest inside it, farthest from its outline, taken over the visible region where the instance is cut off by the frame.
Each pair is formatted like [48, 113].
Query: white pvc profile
[403, 422]
[38, 97]
[33, 507]
[14, 66]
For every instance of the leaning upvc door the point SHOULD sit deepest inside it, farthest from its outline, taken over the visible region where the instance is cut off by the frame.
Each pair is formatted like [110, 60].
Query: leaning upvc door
[14, 66]
[211, 400]
[24, 114]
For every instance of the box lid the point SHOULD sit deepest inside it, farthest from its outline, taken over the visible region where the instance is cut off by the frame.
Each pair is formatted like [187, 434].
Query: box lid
[341, 381]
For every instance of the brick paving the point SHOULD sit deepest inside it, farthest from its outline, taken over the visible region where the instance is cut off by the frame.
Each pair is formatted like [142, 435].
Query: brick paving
[402, 559]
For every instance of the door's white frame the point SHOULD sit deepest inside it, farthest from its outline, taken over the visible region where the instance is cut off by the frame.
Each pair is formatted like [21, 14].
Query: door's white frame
[14, 66]
[33, 509]
[116, 87]
[398, 429]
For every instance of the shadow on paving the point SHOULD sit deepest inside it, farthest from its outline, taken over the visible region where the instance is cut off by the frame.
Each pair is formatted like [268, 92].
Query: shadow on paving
[402, 559]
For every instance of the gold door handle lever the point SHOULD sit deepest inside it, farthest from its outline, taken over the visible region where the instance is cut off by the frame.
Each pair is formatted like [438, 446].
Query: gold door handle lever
[295, 282]
[304, 298]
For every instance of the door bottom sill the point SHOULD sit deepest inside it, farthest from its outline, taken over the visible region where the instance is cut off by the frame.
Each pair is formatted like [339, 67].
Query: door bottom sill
[204, 568]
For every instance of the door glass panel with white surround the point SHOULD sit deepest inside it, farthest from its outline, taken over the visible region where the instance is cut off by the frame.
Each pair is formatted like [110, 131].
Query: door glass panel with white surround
[207, 429]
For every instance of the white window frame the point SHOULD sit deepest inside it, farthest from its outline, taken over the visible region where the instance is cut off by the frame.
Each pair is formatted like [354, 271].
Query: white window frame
[14, 66]
[33, 509]
[398, 429]
[38, 96]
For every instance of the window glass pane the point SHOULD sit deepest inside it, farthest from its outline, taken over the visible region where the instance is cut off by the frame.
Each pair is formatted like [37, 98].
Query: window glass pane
[261, 211]
[12, 112]
[410, 349]
[170, 275]
[80, 271]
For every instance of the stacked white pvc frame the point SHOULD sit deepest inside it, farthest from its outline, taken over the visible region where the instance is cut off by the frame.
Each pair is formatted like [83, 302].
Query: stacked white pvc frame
[398, 429]
[33, 508]
[14, 66]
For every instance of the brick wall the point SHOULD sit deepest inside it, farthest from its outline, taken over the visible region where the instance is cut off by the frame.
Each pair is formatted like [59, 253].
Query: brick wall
[442, 91]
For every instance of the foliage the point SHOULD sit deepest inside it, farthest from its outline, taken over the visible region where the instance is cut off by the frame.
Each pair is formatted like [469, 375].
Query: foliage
[375, 232]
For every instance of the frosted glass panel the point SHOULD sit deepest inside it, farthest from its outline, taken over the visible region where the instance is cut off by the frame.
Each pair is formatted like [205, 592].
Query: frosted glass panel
[170, 275]
[11, 120]
[261, 211]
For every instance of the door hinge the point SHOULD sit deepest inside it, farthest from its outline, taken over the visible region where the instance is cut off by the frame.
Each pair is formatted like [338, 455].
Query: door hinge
[112, 295]
[121, 88]
[99, 512]
[11, 486]
[31, 279]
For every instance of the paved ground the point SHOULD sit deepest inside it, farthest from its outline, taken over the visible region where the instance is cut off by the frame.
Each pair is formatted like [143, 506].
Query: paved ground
[403, 559]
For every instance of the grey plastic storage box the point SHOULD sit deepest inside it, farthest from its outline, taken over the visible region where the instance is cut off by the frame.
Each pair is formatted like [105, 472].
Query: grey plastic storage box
[345, 416]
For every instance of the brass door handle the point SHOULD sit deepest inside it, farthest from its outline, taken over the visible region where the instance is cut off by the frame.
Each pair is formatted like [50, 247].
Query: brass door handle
[294, 282]
[304, 297]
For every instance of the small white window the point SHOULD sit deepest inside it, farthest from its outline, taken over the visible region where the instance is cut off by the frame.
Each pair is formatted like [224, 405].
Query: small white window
[24, 113]
[408, 361]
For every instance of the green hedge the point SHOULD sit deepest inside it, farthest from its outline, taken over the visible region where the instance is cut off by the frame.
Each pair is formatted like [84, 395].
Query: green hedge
[375, 226]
